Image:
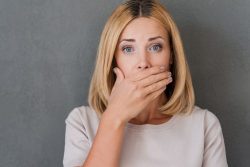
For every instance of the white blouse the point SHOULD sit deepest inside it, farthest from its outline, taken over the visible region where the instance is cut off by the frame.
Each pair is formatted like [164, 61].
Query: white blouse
[183, 141]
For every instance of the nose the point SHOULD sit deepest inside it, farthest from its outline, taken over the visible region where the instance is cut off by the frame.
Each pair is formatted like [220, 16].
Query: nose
[143, 63]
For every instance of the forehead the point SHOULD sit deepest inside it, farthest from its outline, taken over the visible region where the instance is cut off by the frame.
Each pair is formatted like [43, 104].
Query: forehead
[143, 27]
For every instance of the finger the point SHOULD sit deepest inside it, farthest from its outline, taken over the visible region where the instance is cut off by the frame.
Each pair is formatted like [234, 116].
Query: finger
[154, 78]
[147, 72]
[119, 75]
[156, 86]
[154, 95]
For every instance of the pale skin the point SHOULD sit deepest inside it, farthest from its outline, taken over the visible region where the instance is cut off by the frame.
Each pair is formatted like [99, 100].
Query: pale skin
[137, 91]
[136, 52]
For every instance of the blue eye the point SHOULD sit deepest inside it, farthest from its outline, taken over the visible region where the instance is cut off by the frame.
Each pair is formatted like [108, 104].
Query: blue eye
[156, 47]
[127, 49]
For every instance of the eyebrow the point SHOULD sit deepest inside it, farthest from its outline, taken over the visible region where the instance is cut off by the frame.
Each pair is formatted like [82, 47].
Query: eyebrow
[133, 40]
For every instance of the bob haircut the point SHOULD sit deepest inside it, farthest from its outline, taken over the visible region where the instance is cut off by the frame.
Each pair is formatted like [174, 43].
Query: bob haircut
[180, 92]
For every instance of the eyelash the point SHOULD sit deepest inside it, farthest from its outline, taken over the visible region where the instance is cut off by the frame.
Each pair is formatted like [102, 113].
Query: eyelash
[128, 46]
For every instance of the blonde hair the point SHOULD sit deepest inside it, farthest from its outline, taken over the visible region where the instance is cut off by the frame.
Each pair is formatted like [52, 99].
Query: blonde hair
[180, 92]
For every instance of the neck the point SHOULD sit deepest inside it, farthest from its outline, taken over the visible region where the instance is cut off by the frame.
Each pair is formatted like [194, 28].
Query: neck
[151, 112]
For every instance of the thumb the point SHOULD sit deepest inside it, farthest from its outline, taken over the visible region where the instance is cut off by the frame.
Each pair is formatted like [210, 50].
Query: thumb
[119, 74]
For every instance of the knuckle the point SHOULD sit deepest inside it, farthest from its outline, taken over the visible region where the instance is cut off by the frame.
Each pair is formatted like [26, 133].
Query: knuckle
[156, 70]
[166, 81]
[152, 79]
[150, 71]
[155, 77]
[148, 80]
[153, 96]
[135, 77]
[166, 75]
[154, 86]
[163, 83]
[138, 94]
[133, 86]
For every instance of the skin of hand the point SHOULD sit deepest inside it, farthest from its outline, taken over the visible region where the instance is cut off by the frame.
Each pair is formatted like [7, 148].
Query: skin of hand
[132, 94]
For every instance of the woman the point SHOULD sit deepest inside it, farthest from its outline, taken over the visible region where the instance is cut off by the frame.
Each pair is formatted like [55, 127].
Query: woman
[143, 114]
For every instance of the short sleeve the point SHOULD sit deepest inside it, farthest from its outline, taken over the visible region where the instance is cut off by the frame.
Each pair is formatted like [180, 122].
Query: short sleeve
[214, 147]
[76, 140]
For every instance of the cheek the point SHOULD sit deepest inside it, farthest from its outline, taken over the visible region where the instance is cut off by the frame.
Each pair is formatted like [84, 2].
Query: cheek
[125, 65]
[162, 59]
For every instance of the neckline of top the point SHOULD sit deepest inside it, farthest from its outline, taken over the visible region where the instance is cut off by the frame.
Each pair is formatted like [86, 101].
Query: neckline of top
[152, 127]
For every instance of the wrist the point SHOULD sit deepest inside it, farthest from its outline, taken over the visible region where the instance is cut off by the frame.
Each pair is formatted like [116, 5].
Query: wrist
[114, 118]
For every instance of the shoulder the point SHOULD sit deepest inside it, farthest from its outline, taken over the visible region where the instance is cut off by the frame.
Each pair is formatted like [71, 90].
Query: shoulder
[208, 118]
[201, 116]
[214, 146]
[205, 113]
[81, 112]
[82, 115]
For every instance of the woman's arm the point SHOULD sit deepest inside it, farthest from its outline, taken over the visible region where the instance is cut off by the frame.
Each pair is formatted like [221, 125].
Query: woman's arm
[106, 147]
[128, 98]
[214, 148]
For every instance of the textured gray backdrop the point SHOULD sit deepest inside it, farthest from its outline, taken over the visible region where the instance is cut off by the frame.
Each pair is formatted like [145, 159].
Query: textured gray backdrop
[47, 54]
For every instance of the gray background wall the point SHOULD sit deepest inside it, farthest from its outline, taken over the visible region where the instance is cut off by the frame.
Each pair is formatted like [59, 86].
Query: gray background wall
[47, 54]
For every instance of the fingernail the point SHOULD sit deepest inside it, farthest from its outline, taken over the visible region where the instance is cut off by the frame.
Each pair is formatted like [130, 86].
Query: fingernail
[114, 69]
